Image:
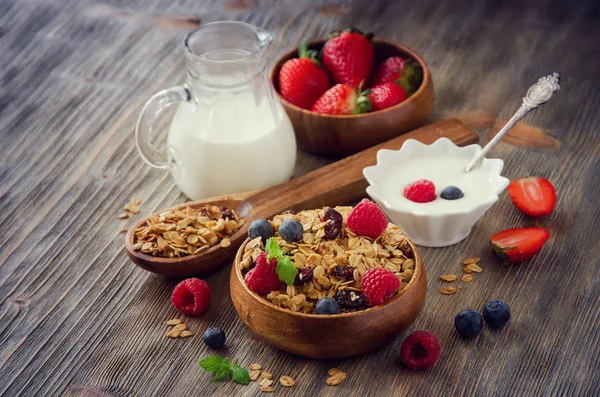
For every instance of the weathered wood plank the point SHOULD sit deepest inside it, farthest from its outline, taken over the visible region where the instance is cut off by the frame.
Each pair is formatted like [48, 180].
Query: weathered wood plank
[78, 319]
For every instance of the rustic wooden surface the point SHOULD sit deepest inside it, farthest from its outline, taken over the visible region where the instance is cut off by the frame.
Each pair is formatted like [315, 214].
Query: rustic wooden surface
[78, 319]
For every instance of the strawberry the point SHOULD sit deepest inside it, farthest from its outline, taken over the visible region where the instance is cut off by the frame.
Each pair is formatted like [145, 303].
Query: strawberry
[348, 56]
[534, 196]
[341, 99]
[401, 71]
[517, 245]
[386, 95]
[302, 80]
[388, 70]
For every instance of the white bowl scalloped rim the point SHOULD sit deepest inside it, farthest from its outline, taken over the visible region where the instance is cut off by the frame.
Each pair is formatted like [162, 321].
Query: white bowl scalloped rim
[442, 229]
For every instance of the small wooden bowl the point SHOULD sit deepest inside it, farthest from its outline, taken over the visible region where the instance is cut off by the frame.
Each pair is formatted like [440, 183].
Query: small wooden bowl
[337, 136]
[329, 336]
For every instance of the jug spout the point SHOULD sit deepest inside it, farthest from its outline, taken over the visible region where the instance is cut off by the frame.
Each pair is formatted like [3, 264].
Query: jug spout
[264, 36]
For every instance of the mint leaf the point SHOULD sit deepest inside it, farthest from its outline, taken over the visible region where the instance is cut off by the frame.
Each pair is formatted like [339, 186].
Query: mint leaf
[239, 375]
[273, 249]
[285, 268]
[214, 363]
[286, 271]
[221, 373]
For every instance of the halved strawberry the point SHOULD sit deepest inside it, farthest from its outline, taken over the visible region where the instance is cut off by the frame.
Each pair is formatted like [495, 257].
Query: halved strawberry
[534, 196]
[517, 245]
[342, 99]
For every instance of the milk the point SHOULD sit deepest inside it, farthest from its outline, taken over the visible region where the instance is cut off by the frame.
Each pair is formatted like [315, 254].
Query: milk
[443, 171]
[230, 144]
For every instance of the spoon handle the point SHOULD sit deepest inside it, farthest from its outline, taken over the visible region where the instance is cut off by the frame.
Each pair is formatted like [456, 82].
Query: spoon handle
[537, 94]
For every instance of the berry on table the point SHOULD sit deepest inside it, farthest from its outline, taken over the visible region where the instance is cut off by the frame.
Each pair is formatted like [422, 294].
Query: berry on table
[420, 350]
[519, 244]
[468, 323]
[379, 285]
[291, 230]
[421, 191]
[451, 193]
[533, 196]
[496, 313]
[263, 278]
[367, 219]
[191, 296]
[262, 228]
[327, 306]
[214, 337]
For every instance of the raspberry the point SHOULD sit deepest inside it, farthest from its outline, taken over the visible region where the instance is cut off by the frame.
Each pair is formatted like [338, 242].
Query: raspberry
[379, 285]
[421, 191]
[191, 296]
[367, 219]
[420, 350]
[263, 278]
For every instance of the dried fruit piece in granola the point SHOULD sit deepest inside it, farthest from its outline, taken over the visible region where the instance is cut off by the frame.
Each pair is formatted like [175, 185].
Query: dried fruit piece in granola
[333, 223]
[304, 275]
[345, 273]
[350, 300]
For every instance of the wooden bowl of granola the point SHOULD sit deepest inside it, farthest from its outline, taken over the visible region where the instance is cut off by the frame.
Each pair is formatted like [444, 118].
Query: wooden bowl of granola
[286, 319]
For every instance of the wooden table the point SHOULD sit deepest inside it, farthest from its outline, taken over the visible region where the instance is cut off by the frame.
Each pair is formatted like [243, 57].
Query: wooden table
[78, 319]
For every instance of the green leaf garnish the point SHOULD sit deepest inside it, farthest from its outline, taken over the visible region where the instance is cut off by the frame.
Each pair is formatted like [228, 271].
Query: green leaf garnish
[212, 364]
[285, 268]
[239, 375]
[221, 367]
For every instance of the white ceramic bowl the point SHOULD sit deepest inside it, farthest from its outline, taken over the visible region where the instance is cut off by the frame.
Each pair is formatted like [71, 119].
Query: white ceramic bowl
[434, 228]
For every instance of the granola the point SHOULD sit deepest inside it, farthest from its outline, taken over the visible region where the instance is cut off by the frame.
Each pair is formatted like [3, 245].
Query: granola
[333, 267]
[187, 231]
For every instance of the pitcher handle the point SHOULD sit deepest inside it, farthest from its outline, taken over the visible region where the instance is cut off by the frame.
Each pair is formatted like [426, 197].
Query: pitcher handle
[150, 154]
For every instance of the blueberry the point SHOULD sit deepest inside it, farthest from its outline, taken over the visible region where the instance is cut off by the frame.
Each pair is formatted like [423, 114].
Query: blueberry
[468, 323]
[214, 337]
[291, 230]
[262, 228]
[496, 313]
[327, 306]
[451, 193]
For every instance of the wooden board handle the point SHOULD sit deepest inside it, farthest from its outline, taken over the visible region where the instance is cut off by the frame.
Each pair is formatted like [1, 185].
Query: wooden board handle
[342, 182]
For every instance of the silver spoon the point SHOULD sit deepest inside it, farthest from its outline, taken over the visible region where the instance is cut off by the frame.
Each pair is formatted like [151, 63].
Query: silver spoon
[537, 94]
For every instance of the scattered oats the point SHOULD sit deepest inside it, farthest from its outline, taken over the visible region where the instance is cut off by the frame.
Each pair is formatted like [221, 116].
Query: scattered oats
[474, 259]
[180, 327]
[124, 215]
[185, 333]
[173, 333]
[467, 278]
[336, 379]
[255, 366]
[334, 371]
[225, 243]
[287, 381]
[448, 290]
[266, 375]
[448, 277]
[136, 201]
[267, 389]
[254, 374]
[265, 382]
[467, 270]
[474, 268]
[174, 321]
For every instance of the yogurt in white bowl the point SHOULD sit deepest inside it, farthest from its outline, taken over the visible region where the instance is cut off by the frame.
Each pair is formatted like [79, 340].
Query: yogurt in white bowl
[440, 222]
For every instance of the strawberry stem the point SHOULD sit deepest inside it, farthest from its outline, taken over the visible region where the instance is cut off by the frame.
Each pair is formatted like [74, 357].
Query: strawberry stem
[410, 78]
[304, 52]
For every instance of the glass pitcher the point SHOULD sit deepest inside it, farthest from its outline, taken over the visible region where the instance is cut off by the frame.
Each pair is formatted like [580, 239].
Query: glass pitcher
[229, 132]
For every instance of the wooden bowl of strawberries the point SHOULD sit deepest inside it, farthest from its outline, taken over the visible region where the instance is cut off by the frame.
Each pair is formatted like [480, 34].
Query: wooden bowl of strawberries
[351, 92]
